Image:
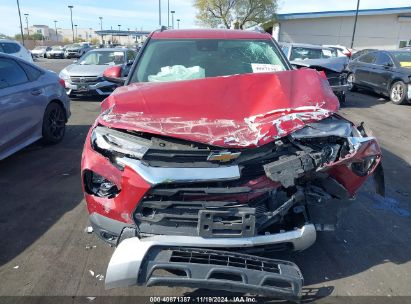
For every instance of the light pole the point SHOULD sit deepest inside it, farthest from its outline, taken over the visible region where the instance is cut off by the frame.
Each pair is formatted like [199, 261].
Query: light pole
[355, 24]
[119, 25]
[27, 24]
[71, 16]
[76, 30]
[101, 23]
[55, 27]
[168, 13]
[172, 19]
[91, 33]
[159, 12]
[21, 25]
[178, 23]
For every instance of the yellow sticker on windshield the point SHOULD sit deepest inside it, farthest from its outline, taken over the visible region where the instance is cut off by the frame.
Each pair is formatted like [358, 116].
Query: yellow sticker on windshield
[406, 64]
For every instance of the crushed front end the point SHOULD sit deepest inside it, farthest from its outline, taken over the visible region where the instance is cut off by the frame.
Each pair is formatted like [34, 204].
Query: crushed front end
[203, 198]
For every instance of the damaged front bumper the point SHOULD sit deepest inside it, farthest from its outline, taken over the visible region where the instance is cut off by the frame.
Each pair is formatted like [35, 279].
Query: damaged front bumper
[166, 263]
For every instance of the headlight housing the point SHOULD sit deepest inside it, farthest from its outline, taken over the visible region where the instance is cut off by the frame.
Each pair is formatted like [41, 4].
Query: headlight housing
[64, 75]
[110, 143]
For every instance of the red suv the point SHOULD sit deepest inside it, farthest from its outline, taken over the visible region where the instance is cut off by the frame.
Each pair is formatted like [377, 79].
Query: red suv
[213, 153]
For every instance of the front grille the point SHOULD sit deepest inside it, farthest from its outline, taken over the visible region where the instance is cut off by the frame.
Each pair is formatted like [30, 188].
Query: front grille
[173, 208]
[209, 257]
[85, 79]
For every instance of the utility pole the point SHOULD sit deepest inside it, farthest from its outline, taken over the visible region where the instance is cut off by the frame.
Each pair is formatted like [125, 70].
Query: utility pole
[27, 25]
[101, 23]
[168, 13]
[159, 12]
[21, 25]
[76, 30]
[55, 27]
[172, 19]
[71, 15]
[178, 23]
[355, 24]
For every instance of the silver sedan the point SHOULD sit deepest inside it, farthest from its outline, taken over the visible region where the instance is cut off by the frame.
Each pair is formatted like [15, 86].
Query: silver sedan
[85, 76]
[33, 105]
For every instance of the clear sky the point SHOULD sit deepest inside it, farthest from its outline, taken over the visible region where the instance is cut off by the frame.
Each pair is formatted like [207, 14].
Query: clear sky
[137, 14]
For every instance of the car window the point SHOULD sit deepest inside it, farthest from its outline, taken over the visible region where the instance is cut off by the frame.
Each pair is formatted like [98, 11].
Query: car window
[102, 58]
[301, 53]
[131, 55]
[11, 73]
[285, 49]
[404, 58]
[367, 58]
[175, 59]
[31, 72]
[9, 47]
[383, 59]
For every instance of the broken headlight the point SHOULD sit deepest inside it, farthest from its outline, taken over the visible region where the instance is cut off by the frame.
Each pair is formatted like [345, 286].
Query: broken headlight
[108, 142]
[98, 185]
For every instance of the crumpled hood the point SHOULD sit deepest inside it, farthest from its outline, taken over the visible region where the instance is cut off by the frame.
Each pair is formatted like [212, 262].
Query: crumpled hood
[337, 64]
[234, 111]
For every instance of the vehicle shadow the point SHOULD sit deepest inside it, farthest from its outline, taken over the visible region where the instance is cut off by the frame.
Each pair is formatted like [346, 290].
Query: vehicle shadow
[308, 295]
[95, 98]
[39, 184]
[367, 99]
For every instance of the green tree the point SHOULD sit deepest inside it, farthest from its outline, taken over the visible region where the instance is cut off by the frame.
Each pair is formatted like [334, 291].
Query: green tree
[237, 12]
[36, 36]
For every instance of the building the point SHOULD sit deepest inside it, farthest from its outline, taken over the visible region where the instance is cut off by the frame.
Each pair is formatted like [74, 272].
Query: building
[387, 28]
[86, 34]
[63, 35]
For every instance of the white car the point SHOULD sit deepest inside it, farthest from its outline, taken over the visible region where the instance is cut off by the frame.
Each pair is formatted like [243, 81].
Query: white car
[15, 48]
[341, 50]
[40, 51]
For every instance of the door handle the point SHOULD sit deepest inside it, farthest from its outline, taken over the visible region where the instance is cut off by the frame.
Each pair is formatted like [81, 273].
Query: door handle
[35, 92]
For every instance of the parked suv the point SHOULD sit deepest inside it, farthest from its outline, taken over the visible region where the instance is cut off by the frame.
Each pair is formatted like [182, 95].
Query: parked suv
[15, 48]
[214, 152]
[77, 50]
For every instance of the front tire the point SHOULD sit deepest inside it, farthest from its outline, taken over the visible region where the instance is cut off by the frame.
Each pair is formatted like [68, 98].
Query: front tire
[350, 82]
[398, 93]
[54, 123]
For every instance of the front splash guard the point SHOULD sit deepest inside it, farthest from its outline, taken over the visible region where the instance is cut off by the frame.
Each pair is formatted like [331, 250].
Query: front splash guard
[203, 268]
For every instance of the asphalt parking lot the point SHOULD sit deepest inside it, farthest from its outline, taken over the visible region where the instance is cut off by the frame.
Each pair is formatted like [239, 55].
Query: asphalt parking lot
[44, 249]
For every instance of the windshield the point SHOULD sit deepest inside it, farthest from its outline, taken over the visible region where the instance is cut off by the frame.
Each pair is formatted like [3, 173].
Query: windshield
[40, 47]
[102, 58]
[404, 58]
[56, 48]
[75, 45]
[301, 53]
[172, 60]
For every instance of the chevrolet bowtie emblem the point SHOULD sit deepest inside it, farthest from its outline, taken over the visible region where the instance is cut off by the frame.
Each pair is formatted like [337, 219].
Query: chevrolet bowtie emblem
[223, 157]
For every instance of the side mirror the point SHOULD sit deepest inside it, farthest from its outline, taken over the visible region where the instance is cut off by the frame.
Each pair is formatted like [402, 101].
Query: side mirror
[130, 62]
[388, 65]
[113, 74]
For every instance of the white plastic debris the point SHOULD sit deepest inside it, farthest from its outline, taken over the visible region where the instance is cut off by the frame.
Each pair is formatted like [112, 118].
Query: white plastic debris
[88, 229]
[91, 298]
[65, 174]
[100, 277]
[16, 267]
[91, 272]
